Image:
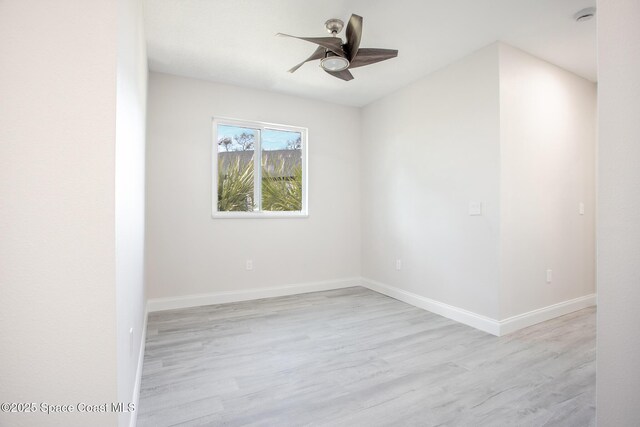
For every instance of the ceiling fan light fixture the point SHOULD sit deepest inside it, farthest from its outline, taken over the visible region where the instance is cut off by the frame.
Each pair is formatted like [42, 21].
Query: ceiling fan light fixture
[334, 63]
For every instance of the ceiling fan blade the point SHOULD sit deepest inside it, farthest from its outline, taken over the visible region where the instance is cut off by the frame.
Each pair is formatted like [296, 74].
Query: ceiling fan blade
[354, 35]
[319, 53]
[334, 44]
[367, 56]
[344, 74]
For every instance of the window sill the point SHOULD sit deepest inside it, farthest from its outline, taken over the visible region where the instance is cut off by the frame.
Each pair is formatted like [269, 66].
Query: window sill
[255, 215]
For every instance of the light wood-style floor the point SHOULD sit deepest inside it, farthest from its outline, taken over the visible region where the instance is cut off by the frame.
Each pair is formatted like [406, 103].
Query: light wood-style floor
[353, 357]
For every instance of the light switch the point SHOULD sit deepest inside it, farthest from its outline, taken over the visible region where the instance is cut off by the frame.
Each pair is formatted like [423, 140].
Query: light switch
[581, 208]
[475, 208]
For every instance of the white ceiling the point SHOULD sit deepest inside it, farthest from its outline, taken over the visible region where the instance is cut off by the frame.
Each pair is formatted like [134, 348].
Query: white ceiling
[233, 41]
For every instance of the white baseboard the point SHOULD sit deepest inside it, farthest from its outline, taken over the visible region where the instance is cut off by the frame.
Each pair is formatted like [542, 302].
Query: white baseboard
[478, 321]
[160, 304]
[512, 324]
[466, 317]
[133, 420]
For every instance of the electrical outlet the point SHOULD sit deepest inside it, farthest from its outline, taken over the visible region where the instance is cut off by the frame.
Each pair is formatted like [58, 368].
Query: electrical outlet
[475, 208]
[581, 208]
[249, 265]
[549, 275]
[398, 264]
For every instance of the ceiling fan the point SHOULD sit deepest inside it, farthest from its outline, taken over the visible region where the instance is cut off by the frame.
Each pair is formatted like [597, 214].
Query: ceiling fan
[336, 57]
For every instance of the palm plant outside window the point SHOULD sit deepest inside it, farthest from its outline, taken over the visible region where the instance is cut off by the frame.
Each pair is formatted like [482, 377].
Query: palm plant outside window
[259, 169]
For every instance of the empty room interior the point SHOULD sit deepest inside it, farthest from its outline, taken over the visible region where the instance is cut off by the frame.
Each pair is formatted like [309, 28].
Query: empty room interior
[337, 213]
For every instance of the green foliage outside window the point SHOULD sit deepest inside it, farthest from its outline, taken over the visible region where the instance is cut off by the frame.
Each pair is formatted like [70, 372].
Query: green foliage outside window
[235, 187]
[281, 190]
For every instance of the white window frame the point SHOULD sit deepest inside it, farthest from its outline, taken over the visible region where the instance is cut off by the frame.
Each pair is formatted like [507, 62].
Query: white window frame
[257, 159]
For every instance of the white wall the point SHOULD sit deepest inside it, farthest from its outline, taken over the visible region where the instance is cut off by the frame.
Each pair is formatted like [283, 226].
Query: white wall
[57, 250]
[428, 150]
[188, 252]
[129, 202]
[547, 148]
[499, 127]
[618, 206]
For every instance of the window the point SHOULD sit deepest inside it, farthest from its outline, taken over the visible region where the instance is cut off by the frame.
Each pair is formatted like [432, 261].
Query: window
[259, 170]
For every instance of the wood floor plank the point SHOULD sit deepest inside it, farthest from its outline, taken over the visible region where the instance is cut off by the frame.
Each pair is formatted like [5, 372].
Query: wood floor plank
[353, 357]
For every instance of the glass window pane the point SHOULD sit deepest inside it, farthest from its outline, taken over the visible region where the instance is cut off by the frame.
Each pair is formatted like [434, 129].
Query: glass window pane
[281, 170]
[236, 168]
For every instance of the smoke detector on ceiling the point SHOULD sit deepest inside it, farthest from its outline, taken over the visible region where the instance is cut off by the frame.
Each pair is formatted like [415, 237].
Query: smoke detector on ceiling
[585, 14]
